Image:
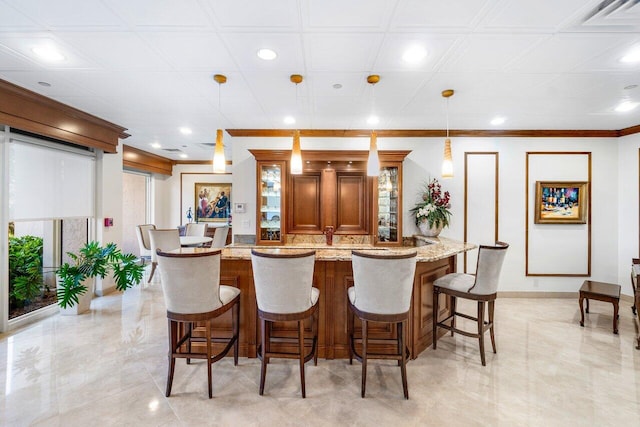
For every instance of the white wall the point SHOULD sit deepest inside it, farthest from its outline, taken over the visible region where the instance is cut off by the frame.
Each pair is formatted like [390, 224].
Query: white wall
[627, 236]
[425, 161]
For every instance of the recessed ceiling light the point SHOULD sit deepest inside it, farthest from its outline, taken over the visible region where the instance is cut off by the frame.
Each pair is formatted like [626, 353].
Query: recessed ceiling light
[633, 56]
[498, 121]
[414, 54]
[267, 54]
[625, 106]
[45, 84]
[337, 86]
[155, 145]
[183, 156]
[289, 120]
[630, 87]
[373, 120]
[185, 131]
[48, 53]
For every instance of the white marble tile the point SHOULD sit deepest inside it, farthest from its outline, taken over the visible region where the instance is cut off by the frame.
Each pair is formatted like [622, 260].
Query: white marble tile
[109, 367]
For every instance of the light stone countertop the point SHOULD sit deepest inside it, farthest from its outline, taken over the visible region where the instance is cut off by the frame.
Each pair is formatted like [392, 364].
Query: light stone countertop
[439, 248]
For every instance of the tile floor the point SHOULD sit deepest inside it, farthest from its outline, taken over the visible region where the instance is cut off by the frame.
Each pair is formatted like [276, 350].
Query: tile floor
[108, 367]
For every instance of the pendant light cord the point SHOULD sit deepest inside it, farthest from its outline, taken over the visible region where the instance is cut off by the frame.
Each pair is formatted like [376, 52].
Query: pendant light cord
[447, 111]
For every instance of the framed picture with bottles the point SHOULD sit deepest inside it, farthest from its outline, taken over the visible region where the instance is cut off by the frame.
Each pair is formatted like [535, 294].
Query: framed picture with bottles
[561, 202]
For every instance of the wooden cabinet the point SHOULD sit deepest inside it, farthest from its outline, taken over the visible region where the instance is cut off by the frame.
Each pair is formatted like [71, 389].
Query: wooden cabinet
[333, 190]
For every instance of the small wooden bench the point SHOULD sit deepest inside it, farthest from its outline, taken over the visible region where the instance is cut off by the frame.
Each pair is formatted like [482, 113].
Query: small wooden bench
[600, 291]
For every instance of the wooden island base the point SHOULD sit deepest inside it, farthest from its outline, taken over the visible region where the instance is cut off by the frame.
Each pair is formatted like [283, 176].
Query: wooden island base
[333, 278]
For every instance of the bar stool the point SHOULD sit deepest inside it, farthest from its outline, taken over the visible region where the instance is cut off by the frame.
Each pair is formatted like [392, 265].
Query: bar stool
[482, 287]
[381, 292]
[285, 292]
[165, 239]
[192, 293]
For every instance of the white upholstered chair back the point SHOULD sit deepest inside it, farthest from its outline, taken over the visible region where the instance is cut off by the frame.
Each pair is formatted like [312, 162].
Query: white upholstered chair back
[166, 240]
[190, 282]
[220, 237]
[196, 229]
[283, 282]
[382, 283]
[144, 242]
[490, 260]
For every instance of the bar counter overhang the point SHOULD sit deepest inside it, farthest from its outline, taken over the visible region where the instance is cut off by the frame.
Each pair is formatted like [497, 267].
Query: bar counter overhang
[333, 276]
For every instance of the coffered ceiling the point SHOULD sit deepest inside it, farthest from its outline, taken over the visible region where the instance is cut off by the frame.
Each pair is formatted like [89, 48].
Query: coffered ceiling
[147, 65]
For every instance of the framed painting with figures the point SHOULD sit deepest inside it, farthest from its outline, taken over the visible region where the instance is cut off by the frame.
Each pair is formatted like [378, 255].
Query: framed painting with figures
[561, 202]
[212, 202]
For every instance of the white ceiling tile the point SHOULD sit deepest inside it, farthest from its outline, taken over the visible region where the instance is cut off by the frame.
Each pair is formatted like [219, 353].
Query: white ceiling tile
[390, 54]
[191, 51]
[10, 60]
[346, 52]
[160, 13]
[23, 45]
[520, 16]
[64, 14]
[347, 15]
[244, 48]
[436, 14]
[115, 50]
[252, 15]
[13, 20]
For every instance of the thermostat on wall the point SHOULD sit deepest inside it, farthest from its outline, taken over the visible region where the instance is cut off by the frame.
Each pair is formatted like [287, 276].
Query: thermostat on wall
[238, 207]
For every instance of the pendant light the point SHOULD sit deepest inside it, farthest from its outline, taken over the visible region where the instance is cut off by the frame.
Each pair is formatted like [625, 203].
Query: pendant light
[296, 153]
[447, 161]
[373, 162]
[219, 162]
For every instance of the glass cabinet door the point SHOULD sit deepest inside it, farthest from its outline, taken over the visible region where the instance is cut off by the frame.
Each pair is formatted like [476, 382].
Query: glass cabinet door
[270, 179]
[388, 202]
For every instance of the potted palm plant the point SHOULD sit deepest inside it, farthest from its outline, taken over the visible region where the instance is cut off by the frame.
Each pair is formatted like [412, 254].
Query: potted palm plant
[76, 278]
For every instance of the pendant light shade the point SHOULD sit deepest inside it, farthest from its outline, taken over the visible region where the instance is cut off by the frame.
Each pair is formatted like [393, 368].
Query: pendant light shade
[373, 162]
[447, 161]
[219, 162]
[296, 154]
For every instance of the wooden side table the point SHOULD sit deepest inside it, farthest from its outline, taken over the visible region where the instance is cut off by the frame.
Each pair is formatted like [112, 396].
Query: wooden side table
[600, 291]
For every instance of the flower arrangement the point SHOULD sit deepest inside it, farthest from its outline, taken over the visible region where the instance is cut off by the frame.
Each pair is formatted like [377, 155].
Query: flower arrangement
[434, 207]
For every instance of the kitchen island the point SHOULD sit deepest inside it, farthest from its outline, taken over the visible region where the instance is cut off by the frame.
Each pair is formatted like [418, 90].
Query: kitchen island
[332, 276]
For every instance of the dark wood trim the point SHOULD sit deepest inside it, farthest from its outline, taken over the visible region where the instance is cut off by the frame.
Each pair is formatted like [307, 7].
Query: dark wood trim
[198, 162]
[325, 155]
[526, 227]
[26, 110]
[137, 159]
[434, 133]
[496, 200]
[629, 131]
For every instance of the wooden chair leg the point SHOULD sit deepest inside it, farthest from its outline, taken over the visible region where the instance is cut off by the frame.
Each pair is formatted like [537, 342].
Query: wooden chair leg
[189, 327]
[481, 330]
[403, 360]
[208, 337]
[235, 312]
[364, 356]
[301, 349]
[436, 295]
[398, 341]
[492, 305]
[314, 328]
[153, 269]
[350, 327]
[453, 312]
[263, 369]
[173, 339]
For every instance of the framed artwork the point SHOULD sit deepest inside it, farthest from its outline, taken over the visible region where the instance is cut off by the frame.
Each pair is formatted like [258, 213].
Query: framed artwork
[561, 202]
[212, 202]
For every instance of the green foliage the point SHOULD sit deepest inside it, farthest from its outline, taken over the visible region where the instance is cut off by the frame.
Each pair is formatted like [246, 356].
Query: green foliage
[25, 269]
[94, 260]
